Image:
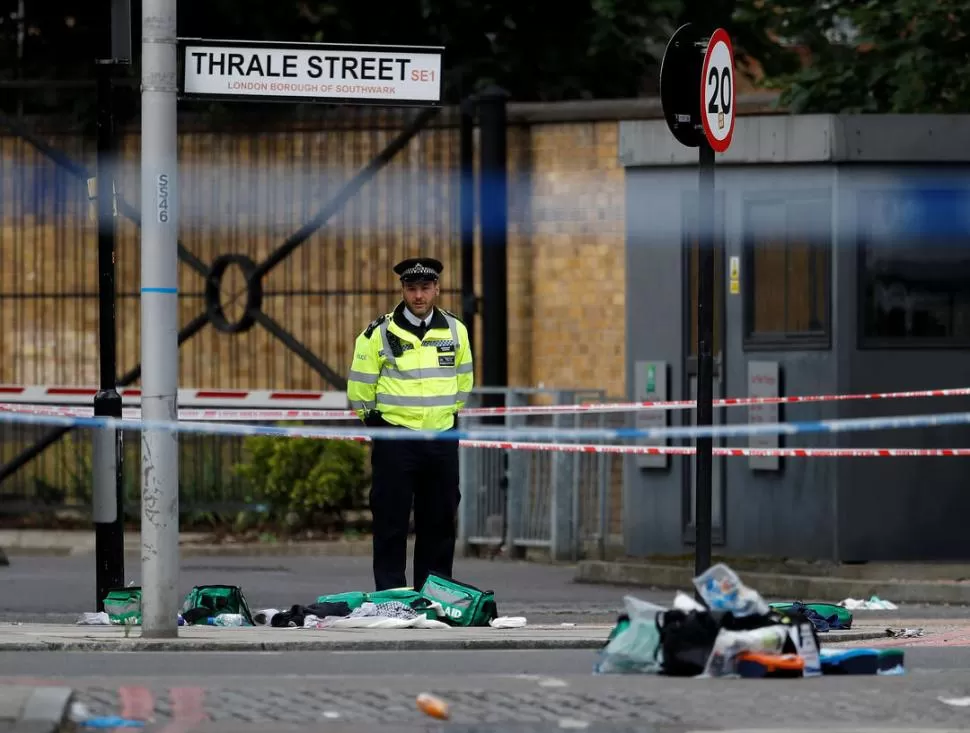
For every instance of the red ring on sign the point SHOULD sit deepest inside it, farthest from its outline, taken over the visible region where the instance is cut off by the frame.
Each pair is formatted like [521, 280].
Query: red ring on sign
[718, 36]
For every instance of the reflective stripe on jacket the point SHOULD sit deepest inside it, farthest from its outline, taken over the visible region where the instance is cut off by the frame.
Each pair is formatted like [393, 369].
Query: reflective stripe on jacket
[418, 384]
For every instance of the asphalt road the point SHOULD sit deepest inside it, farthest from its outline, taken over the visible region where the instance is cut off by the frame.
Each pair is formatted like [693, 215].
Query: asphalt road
[59, 589]
[499, 692]
[206, 667]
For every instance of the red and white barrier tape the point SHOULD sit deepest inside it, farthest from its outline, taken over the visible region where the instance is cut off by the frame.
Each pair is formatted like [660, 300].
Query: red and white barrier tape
[649, 450]
[191, 414]
[251, 398]
[610, 448]
[314, 403]
[725, 402]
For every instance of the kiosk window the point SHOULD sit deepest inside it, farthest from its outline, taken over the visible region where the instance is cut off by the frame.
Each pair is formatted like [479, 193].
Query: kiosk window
[914, 268]
[787, 254]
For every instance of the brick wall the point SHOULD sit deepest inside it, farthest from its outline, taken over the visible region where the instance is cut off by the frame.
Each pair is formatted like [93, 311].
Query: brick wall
[567, 250]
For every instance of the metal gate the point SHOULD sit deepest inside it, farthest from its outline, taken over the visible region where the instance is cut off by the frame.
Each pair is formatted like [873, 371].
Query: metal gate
[289, 229]
[515, 499]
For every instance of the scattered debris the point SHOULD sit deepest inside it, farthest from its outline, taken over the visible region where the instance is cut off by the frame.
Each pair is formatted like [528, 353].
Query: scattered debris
[573, 724]
[862, 661]
[375, 621]
[433, 706]
[111, 722]
[510, 622]
[875, 603]
[265, 617]
[99, 618]
[959, 702]
[441, 603]
[734, 633]
[79, 711]
[553, 682]
[824, 616]
[905, 633]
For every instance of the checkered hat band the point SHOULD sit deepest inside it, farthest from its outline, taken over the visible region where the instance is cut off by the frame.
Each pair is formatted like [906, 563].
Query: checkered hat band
[419, 270]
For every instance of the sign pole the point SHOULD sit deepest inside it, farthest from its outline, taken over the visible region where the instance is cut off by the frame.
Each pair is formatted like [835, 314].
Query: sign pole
[107, 505]
[159, 320]
[704, 459]
[705, 122]
[717, 122]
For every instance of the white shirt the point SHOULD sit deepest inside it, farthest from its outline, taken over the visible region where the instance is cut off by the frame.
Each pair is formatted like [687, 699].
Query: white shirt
[415, 321]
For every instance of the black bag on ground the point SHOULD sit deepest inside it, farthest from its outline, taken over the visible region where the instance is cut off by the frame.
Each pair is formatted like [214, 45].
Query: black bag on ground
[686, 641]
[687, 638]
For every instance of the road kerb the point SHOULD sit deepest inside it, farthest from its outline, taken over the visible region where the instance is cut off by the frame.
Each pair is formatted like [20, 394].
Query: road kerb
[497, 643]
[779, 585]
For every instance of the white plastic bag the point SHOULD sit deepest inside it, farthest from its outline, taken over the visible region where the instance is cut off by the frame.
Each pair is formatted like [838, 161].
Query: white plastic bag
[722, 590]
[729, 644]
[635, 649]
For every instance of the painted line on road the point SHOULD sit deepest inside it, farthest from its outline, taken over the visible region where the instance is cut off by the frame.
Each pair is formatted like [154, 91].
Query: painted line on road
[188, 709]
[940, 639]
[30, 682]
[137, 703]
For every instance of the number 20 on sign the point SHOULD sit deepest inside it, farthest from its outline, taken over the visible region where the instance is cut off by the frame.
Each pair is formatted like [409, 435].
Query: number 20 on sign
[717, 91]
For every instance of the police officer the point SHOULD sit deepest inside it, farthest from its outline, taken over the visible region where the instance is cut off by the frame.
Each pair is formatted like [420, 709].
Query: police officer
[412, 369]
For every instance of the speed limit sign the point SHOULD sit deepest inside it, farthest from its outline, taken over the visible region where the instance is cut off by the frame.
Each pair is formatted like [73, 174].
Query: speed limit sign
[717, 91]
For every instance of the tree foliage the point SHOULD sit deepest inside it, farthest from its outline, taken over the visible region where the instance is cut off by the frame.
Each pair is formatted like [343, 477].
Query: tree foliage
[890, 56]
[538, 50]
[864, 55]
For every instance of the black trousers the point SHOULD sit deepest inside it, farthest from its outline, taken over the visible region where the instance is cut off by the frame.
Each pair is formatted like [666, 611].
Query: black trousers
[423, 473]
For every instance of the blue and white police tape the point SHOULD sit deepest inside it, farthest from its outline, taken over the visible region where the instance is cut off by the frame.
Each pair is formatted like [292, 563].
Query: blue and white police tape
[526, 433]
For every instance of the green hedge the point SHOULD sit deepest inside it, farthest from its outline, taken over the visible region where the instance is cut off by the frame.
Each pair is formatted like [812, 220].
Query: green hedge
[316, 480]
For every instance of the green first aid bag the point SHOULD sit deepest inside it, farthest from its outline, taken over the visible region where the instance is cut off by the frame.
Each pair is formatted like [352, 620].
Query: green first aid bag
[825, 610]
[407, 596]
[123, 605]
[205, 601]
[463, 604]
[354, 599]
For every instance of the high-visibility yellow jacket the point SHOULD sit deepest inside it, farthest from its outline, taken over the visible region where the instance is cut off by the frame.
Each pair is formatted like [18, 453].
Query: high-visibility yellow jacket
[414, 383]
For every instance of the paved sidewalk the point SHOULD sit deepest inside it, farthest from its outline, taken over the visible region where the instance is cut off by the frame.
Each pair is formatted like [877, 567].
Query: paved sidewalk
[57, 637]
[34, 709]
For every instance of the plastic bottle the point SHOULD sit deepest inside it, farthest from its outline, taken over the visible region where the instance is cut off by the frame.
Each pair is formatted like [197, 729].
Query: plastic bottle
[227, 619]
[433, 706]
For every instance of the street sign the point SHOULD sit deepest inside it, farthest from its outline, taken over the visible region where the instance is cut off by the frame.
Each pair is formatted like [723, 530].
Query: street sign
[679, 72]
[707, 126]
[717, 91]
[309, 72]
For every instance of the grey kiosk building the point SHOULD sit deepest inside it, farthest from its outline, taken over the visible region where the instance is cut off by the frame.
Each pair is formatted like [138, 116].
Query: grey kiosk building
[843, 266]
